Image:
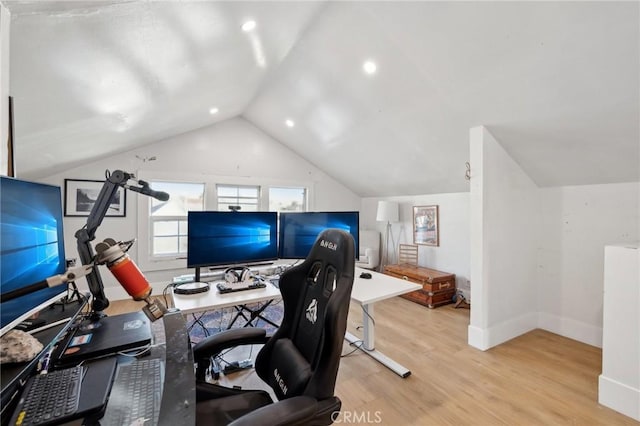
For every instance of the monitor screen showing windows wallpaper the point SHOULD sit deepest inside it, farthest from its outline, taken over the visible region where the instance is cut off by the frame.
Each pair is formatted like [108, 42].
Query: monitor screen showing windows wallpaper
[298, 231]
[231, 238]
[31, 247]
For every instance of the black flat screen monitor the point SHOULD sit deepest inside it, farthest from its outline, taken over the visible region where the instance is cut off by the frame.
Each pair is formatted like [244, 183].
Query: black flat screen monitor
[298, 231]
[31, 246]
[231, 238]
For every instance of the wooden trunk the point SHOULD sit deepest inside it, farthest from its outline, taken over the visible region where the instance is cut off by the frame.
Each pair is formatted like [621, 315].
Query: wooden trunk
[431, 299]
[438, 288]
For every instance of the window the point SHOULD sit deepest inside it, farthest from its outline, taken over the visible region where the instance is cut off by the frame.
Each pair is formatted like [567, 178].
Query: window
[287, 199]
[162, 226]
[246, 197]
[169, 218]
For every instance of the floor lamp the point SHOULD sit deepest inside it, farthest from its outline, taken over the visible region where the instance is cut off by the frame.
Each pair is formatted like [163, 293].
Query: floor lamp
[387, 212]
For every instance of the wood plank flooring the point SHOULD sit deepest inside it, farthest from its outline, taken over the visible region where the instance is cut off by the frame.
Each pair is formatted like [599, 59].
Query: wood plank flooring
[536, 379]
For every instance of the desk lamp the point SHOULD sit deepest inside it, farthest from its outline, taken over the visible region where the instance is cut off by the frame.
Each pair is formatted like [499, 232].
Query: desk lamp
[387, 212]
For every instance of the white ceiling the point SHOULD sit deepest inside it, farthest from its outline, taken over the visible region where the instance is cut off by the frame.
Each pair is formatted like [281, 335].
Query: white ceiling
[557, 83]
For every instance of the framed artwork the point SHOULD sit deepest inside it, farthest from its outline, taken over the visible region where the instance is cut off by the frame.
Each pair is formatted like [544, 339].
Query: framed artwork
[80, 195]
[425, 225]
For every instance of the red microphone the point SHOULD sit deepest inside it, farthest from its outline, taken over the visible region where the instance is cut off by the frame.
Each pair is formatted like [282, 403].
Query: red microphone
[114, 255]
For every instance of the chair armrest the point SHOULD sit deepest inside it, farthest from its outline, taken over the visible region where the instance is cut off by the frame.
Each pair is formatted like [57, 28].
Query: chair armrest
[212, 346]
[298, 410]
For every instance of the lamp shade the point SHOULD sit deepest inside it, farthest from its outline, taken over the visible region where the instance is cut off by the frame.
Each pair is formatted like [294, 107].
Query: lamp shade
[387, 211]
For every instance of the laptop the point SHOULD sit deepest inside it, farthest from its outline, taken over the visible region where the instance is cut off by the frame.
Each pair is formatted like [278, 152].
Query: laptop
[106, 336]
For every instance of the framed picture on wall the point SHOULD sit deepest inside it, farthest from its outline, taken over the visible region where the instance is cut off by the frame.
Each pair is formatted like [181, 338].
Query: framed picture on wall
[80, 195]
[425, 225]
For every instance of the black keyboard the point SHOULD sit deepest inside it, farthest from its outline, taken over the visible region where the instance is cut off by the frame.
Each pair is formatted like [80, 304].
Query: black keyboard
[50, 398]
[136, 394]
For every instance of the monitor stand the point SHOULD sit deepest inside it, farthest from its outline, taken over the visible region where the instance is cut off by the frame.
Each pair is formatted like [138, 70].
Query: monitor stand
[192, 288]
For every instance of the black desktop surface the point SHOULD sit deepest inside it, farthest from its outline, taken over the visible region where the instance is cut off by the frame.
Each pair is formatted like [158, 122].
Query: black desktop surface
[12, 374]
[171, 344]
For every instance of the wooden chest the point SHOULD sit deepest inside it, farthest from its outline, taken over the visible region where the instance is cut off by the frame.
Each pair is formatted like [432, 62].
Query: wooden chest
[438, 288]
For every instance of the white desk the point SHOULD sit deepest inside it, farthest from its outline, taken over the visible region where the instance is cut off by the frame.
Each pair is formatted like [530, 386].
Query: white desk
[212, 299]
[367, 292]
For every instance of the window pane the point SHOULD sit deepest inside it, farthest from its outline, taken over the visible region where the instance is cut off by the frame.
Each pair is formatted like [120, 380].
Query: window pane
[227, 191]
[165, 227]
[287, 199]
[251, 192]
[244, 207]
[182, 245]
[165, 245]
[227, 200]
[182, 198]
[247, 197]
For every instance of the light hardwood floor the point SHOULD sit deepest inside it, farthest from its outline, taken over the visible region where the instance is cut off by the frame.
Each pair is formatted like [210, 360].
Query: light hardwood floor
[536, 379]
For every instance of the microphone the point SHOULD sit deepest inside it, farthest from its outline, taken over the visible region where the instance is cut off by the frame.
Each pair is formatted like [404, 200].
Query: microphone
[146, 190]
[128, 275]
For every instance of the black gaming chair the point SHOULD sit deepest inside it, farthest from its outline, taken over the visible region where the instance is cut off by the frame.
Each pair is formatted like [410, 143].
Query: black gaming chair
[300, 361]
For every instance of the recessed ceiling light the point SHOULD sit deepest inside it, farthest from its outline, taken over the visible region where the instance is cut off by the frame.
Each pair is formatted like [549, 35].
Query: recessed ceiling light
[289, 122]
[369, 67]
[213, 111]
[248, 26]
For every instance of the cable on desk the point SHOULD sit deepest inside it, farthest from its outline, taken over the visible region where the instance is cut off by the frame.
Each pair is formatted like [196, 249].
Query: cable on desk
[165, 294]
[142, 351]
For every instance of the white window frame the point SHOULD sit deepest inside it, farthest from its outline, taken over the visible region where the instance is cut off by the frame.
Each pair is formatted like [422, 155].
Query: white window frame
[258, 187]
[145, 261]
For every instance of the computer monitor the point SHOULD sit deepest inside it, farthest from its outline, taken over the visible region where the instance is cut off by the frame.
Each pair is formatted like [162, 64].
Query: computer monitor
[231, 238]
[31, 247]
[298, 231]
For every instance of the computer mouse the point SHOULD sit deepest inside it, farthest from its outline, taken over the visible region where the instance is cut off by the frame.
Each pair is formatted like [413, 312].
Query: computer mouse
[365, 275]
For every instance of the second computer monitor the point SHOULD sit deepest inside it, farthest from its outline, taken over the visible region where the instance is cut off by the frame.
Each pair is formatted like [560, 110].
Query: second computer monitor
[298, 231]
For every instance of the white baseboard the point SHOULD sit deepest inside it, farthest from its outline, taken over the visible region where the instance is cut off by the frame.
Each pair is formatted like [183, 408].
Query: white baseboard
[476, 337]
[620, 397]
[567, 327]
[484, 339]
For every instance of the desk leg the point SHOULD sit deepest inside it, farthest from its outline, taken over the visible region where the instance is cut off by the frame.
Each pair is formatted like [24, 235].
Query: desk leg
[257, 314]
[368, 343]
[368, 328]
[253, 315]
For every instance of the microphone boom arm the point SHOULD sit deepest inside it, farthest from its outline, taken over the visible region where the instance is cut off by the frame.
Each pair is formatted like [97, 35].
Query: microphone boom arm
[86, 234]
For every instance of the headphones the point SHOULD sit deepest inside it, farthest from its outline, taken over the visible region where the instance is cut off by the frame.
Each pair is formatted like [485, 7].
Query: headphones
[237, 274]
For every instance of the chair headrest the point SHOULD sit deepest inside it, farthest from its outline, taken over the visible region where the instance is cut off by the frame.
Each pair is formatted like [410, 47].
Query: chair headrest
[335, 247]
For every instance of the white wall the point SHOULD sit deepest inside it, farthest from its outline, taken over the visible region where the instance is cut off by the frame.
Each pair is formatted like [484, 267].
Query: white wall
[5, 23]
[619, 383]
[452, 255]
[505, 212]
[233, 148]
[537, 253]
[577, 223]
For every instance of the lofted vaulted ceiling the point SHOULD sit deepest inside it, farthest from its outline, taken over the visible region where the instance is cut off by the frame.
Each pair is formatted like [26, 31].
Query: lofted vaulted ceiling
[557, 83]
